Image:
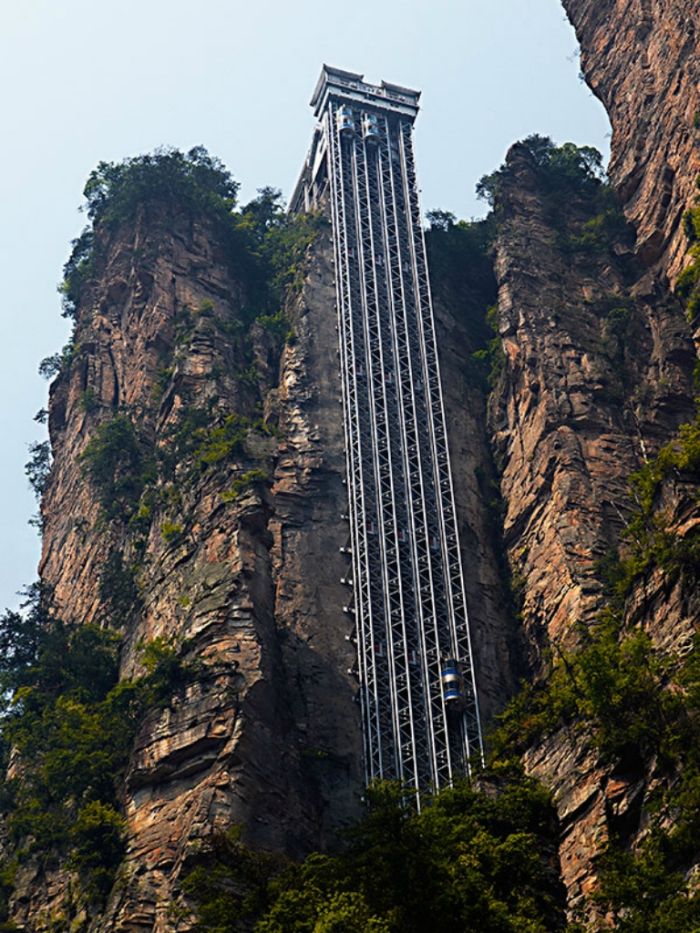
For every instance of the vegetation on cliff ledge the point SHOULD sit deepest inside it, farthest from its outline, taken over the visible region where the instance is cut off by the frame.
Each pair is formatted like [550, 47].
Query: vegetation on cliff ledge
[67, 728]
[473, 859]
[461, 276]
[639, 706]
[120, 464]
[262, 245]
[567, 176]
[688, 282]
[262, 242]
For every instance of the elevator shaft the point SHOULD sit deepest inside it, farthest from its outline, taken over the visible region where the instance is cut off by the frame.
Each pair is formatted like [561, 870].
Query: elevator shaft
[414, 659]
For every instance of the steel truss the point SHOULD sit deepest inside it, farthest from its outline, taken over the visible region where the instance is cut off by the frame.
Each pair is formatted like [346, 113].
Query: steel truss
[420, 726]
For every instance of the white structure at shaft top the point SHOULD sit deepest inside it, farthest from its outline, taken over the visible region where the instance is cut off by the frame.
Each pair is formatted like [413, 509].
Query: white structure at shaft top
[393, 97]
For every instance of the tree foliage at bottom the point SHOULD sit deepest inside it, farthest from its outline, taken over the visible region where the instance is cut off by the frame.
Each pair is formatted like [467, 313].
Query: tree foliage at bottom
[472, 860]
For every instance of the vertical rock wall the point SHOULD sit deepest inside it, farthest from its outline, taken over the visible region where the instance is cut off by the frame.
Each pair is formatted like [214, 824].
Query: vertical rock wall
[579, 406]
[247, 585]
[641, 59]
[596, 376]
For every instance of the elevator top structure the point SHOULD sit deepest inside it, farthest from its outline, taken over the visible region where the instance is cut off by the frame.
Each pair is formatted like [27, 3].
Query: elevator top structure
[350, 88]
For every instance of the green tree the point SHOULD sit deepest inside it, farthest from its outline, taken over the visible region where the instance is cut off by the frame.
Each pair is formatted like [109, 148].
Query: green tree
[481, 860]
[561, 168]
[38, 467]
[72, 723]
[120, 464]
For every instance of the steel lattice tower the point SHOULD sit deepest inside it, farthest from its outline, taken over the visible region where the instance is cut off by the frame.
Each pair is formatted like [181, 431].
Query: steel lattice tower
[414, 660]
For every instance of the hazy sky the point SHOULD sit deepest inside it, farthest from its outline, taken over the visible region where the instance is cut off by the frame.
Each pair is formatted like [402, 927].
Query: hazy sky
[84, 80]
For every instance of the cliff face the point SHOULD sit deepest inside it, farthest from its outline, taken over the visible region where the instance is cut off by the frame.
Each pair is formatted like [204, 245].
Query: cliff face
[597, 374]
[582, 403]
[228, 547]
[267, 735]
[641, 60]
[233, 560]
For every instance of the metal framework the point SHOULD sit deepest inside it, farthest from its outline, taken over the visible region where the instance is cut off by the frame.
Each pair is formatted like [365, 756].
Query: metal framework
[414, 659]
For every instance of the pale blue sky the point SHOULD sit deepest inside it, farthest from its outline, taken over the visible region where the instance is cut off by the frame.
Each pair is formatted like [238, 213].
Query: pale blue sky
[84, 80]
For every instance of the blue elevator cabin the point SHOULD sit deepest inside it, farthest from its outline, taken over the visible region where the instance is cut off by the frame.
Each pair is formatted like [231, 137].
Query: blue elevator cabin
[415, 667]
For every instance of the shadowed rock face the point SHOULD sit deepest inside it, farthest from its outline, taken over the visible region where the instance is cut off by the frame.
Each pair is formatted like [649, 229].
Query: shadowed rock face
[579, 407]
[494, 634]
[641, 59]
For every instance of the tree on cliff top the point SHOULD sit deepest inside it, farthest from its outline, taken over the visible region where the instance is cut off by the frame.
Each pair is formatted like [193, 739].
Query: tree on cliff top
[113, 189]
[562, 167]
[264, 243]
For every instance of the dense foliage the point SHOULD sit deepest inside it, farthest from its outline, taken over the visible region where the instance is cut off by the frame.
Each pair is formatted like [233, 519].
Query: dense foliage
[472, 860]
[261, 241]
[688, 282]
[38, 467]
[641, 708]
[67, 726]
[568, 176]
[115, 190]
[461, 264]
[120, 464]
[278, 241]
[564, 168]
[650, 540]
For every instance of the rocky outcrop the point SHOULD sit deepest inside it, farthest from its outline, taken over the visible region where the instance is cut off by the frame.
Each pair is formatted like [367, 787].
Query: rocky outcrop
[583, 402]
[599, 800]
[596, 375]
[641, 59]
